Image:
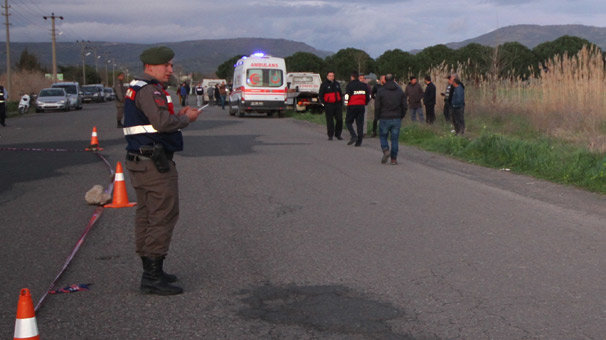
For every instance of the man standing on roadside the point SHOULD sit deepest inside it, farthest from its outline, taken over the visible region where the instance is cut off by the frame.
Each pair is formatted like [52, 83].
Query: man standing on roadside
[120, 90]
[199, 89]
[446, 95]
[153, 133]
[222, 94]
[357, 96]
[330, 95]
[375, 90]
[429, 100]
[458, 106]
[414, 92]
[390, 108]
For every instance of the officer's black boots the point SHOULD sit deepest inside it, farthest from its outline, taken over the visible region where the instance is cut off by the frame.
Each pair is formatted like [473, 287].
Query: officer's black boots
[168, 277]
[154, 281]
[119, 125]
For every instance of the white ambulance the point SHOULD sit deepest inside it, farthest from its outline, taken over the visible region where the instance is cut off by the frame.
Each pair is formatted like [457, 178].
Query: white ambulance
[258, 85]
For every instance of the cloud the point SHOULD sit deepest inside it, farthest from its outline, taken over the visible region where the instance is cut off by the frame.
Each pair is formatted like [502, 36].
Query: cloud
[330, 25]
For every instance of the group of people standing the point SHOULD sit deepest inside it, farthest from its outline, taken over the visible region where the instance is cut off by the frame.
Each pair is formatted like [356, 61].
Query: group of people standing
[216, 94]
[391, 105]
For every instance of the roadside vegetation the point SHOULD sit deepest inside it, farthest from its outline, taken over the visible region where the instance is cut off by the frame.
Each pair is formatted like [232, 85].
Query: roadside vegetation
[550, 124]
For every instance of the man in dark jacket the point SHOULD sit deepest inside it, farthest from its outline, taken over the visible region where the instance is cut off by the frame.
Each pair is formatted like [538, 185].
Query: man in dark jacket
[331, 97]
[357, 96]
[429, 99]
[414, 92]
[390, 108]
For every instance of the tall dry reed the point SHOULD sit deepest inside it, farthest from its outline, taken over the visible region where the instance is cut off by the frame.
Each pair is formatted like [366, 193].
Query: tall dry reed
[25, 82]
[566, 99]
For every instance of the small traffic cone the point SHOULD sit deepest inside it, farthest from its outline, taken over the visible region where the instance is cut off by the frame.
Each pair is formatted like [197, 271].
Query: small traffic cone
[94, 141]
[25, 325]
[120, 198]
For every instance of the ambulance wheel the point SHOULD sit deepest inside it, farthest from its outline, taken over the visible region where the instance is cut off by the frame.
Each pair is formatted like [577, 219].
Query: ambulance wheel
[270, 113]
[239, 111]
[232, 112]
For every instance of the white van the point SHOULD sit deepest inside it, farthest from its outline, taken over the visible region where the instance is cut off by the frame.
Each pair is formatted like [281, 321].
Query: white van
[303, 91]
[258, 85]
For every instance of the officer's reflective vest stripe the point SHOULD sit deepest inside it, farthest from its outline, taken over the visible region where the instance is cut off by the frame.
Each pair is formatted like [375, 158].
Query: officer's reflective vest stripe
[357, 98]
[1, 97]
[135, 130]
[138, 130]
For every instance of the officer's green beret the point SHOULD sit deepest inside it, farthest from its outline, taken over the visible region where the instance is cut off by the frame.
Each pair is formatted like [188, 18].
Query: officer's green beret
[157, 55]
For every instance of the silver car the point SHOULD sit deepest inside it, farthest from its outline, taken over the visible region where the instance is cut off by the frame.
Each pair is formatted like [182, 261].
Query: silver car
[52, 99]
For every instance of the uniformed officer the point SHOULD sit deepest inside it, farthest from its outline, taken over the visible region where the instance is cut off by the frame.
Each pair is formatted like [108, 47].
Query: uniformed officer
[119, 90]
[153, 133]
[330, 96]
[2, 106]
[357, 96]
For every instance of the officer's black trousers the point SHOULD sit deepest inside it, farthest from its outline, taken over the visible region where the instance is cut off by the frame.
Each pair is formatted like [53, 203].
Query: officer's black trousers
[355, 113]
[334, 120]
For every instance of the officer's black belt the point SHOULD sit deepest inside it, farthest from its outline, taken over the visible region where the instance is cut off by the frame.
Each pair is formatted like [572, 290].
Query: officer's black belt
[134, 156]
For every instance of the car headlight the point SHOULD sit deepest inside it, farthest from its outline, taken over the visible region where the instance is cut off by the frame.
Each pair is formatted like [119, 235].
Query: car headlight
[39, 103]
[96, 95]
[61, 102]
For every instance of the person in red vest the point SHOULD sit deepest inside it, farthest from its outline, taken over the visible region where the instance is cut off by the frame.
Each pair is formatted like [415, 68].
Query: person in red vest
[331, 97]
[357, 95]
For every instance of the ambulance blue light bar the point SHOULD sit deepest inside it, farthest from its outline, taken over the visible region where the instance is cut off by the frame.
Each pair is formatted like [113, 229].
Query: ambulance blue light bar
[258, 54]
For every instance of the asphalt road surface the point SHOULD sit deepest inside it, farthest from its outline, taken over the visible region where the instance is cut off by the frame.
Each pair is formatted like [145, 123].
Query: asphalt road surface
[286, 235]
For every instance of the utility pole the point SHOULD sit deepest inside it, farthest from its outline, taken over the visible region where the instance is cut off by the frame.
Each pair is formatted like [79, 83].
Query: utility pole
[83, 52]
[113, 73]
[8, 50]
[53, 17]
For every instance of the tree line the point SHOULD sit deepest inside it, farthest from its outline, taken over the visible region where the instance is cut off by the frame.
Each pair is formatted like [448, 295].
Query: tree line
[510, 60]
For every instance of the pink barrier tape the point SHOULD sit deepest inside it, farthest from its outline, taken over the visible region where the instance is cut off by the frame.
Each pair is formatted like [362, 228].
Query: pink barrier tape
[94, 218]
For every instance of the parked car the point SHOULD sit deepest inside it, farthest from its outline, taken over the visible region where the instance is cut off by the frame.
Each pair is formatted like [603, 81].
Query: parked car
[109, 94]
[52, 99]
[93, 93]
[73, 93]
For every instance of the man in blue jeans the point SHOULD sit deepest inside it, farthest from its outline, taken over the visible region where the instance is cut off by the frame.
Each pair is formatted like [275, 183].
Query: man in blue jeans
[390, 108]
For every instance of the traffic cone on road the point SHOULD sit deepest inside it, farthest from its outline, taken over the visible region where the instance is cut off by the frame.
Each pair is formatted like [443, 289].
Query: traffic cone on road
[25, 325]
[94, 141]
[120, 198]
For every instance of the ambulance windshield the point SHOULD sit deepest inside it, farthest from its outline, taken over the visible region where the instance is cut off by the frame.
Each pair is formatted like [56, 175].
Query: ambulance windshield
[264, 77]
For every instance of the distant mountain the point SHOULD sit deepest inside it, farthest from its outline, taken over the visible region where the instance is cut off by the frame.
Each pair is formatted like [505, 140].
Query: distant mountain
[532, 35]
[200, 56]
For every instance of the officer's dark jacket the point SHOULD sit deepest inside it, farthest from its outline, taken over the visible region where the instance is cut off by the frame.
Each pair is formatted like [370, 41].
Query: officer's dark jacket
[390, 102]
[330, 92]
[357, 92]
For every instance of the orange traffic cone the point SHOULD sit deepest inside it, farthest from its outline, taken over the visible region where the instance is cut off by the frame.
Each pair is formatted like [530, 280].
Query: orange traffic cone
[25, 325]
[94, 141]
[120, 198]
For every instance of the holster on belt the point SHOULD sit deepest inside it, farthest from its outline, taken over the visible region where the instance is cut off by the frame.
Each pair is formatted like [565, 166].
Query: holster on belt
[158, 156]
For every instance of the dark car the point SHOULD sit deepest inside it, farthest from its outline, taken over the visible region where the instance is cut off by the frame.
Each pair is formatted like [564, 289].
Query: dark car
[93, 93]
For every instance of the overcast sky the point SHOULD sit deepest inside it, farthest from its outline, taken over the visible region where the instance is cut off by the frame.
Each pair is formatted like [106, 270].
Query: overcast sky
[374, 26]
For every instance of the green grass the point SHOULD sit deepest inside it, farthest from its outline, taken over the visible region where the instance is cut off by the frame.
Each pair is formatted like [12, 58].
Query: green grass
[508, 142]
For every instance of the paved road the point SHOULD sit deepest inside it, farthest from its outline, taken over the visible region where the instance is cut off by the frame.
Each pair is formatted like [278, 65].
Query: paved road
[285, 235]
